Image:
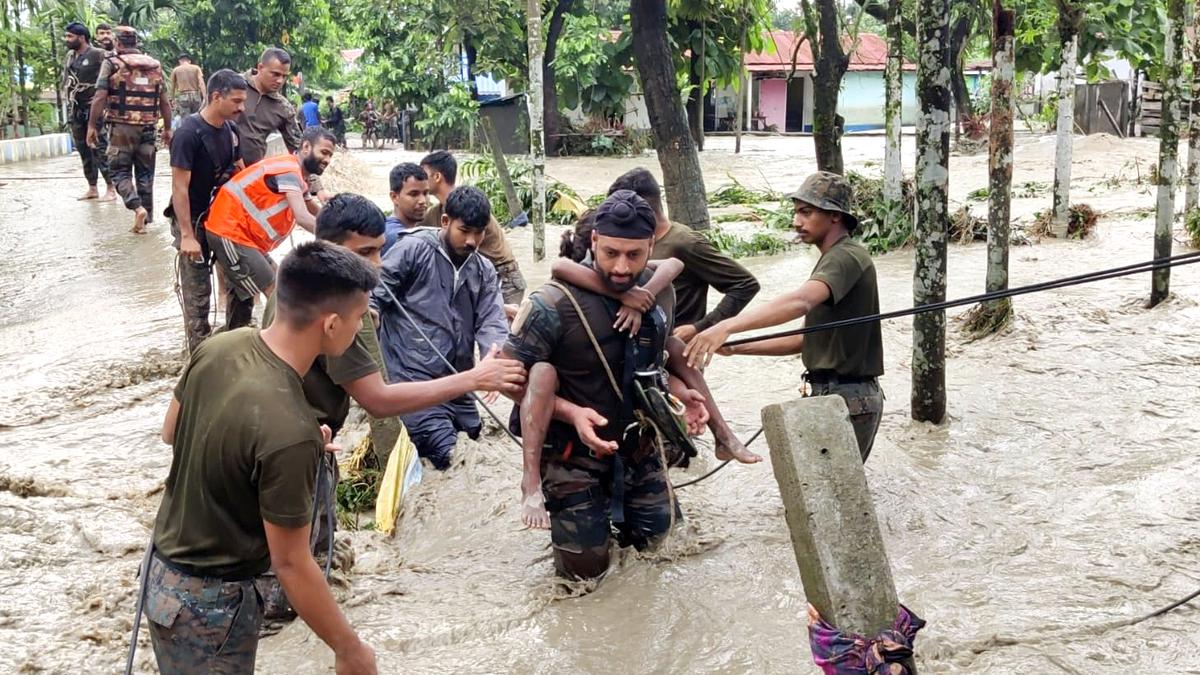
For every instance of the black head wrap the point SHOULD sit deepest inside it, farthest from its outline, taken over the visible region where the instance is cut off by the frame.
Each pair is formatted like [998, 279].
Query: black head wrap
[625, 215]
[76, 28]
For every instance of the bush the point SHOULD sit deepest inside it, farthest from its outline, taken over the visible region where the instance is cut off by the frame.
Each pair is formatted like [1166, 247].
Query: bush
[736, 193]
[563, 204]
[1080, 222]
[599, 137]
[882, 227]
[761, 243]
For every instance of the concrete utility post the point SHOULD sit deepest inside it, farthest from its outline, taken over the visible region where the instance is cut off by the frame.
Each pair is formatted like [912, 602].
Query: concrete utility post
[830, 514]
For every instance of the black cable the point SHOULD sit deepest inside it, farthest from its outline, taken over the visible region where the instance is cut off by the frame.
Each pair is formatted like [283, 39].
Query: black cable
[1112, 273]
[1159, 612]
[719, 466]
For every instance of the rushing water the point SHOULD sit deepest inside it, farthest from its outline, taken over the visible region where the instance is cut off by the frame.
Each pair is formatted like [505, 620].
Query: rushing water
[1060, 496]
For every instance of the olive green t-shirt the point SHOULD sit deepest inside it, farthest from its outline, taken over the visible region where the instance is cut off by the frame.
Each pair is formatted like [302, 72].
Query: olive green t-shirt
[323, 382]
[853, 351]
[247, 447]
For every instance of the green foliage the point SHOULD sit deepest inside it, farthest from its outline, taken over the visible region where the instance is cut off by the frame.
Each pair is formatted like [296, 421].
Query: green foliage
[979, 194]
[1191, 223]
[760, 243]
[450, 114]
[882, 226]
[561, 201]
[1081, 222]
[357, 493]
[1130, 29]
[592, 69]
[736, 193]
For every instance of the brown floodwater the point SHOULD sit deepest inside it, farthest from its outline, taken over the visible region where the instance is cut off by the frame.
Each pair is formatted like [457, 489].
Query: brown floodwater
[1060, 495]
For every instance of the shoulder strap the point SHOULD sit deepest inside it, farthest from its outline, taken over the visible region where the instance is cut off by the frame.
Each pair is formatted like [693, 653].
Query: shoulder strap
[587, 327]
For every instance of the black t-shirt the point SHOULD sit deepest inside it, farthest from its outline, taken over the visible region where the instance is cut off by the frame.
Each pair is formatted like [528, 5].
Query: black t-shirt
[81, 73]
[192, 147]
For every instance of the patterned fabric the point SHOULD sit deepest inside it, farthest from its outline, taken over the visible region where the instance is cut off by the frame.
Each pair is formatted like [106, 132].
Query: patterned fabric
[838, 653]
[830, 192]
[131, 153]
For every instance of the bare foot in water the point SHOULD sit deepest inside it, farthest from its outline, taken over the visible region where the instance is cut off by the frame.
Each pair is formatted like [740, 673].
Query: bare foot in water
[90, 194]
[533, 507]
[139, 220]
[731, 448]
[110, 195]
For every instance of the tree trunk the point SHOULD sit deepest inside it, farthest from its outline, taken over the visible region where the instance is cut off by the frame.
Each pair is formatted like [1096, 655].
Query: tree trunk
[558, 17]
[959, 35]
[60, 113]
[498, 158]
[830, 66]
[739, 120]
[537, 139]
[1192, 195]
[682, 178]
[1066, 128]
[1000, 161]
[1168, 147]
[695, 100]
[932, 225]
[893, 77]
[21, 83]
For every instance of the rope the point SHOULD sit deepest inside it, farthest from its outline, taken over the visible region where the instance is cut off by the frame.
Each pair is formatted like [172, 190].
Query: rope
[719, 466]
[1112, 273]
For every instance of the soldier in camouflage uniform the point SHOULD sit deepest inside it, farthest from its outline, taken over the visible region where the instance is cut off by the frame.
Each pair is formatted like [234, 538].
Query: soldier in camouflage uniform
[79, 87]
[598, 469]
[843, 361]
[130, 87]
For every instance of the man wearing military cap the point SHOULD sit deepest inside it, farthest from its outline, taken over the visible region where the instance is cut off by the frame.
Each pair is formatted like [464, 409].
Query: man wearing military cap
[844, 361]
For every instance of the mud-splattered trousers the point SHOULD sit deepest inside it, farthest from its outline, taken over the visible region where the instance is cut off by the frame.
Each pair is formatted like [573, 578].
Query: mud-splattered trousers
[865, 402]
[131, 153]
[585, 503]
[95, 160]
[193, 286]
[201, 624]
[188, 102]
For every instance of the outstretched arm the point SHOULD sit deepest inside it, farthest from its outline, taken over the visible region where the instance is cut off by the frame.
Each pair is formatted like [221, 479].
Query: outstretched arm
[791, 306]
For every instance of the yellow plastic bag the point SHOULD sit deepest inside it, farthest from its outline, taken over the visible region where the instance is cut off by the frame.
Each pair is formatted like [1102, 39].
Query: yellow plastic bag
[402, 473]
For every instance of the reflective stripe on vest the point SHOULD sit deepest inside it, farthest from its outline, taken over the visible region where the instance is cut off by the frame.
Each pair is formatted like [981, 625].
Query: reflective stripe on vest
[261, 216]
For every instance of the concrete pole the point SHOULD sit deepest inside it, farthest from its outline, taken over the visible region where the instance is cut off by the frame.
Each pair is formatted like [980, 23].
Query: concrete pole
[830, 514]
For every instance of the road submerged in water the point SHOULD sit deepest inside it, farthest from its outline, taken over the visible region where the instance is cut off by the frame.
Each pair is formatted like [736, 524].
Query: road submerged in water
[1060, 495]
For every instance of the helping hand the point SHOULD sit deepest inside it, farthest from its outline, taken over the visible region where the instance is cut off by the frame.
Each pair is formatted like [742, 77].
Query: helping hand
[585, 421]
[495, 373]
[685, 332]
[700, 350]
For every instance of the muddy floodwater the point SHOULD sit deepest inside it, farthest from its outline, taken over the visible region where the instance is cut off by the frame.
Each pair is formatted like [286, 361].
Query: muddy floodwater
[1060, 496]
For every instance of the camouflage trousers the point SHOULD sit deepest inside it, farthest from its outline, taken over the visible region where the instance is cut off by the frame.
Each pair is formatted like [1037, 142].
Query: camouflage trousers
[193, 287]
[131, 154]
[189, 102]
[587, 497]
[865, 402]
[512, 283]
[201, 624]
[95, 160]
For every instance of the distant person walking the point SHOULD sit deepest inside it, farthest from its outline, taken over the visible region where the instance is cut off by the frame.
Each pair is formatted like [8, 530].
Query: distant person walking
[131, 88]
[187, 86]
[336, 121]
[310, 111]
[79, 87]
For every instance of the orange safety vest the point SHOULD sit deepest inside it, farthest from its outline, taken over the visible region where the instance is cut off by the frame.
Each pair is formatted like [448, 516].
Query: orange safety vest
[247, 212]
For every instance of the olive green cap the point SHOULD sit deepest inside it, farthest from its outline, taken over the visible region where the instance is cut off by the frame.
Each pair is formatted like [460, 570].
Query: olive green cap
[829, 192]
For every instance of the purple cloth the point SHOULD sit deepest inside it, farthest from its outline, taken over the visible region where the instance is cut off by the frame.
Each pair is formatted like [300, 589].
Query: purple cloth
[838, 653]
